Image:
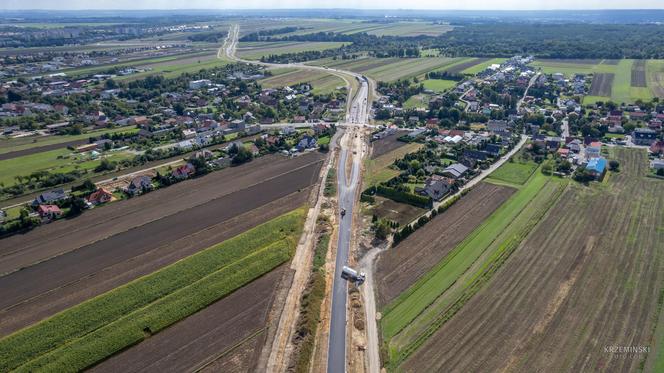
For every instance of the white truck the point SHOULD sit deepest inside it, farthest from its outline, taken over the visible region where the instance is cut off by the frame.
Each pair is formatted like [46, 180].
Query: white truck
[350, 274]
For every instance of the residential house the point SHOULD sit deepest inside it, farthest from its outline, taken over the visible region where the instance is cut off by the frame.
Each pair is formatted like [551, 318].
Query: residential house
[657, 147]
[657, 164]
[306, 142]
[100, 196]
[644, 136]
[593, 150]
[139, 184]
[475, 155]
[184, 171]
[497, 126]
[50, 197]
[493, 149]
[597, 167]
[455, 171]
[437, 187]
[49, 212]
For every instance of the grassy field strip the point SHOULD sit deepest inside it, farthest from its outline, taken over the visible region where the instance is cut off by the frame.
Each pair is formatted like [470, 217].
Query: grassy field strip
[136, 63]
[439, 85]
[433, 317]
[22, 143]
[321, 81]
[454, 62]
[84, 334]
[279, 48]
[481, 66]
[60, 160]
[405, 308]
[514, 172]
[378, 169]
[408, 68]
[621, 91]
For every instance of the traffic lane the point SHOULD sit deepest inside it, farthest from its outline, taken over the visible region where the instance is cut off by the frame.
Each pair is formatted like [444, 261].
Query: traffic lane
[337, 340]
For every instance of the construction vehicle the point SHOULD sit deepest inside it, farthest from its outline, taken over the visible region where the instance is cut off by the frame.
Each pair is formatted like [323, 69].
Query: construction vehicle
[350, 274]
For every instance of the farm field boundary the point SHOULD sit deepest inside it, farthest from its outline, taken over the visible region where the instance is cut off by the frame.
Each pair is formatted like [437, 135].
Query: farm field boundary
[551, 306]
[87, 333]
[479, 274]
[505, 222]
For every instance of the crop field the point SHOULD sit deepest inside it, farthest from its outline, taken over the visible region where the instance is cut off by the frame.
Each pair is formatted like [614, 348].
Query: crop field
[21, 146]
[386, 144]
[621, 88]
[66, 262]
[378, 170]
[410, 319]
[321, 81]
[439, 85]
[639, 74]
[411, 29]
[655, 77]
[55, 161]
[588, 276]
[481, 65]
[209, 337]
[401, 267]
[254, 52]
[94, 330]
[601, 84]
[514, 172]
[390, 69]
[157, 63]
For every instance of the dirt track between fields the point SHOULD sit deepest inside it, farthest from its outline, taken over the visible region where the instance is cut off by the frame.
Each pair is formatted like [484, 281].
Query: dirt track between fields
[203, 336]
[400, 267]
[587, 277]
[145, 235]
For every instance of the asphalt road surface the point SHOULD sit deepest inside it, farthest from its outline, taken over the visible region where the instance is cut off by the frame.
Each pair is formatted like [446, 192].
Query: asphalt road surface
[337, 344]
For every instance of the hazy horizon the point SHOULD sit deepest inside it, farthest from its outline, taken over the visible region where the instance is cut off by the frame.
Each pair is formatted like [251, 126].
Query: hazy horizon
[507, 5]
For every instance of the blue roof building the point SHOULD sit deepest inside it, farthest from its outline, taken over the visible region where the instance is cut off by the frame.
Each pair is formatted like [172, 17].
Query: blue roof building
[596, 166]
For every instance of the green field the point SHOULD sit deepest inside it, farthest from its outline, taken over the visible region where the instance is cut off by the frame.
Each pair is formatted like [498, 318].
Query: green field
[439, 85]
[390, 69]
[254, 51]
[22, 143]
[54, 161]
[378, 169]
[419, 311]
[417, 101]
[514, 172]
[96, 329]
[621, 90]
[321, 81]
[482, 66]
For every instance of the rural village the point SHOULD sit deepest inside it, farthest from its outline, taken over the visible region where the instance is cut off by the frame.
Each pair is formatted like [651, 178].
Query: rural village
[302, 195]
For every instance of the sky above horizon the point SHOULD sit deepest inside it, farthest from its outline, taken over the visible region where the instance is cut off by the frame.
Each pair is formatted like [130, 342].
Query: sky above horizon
[350, 4]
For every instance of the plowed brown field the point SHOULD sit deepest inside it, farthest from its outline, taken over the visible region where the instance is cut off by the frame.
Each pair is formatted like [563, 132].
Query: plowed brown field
[402, 266]
[110, 246]
[587, 278]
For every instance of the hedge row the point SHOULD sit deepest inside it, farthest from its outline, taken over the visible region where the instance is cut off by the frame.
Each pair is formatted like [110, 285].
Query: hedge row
[399, 196]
